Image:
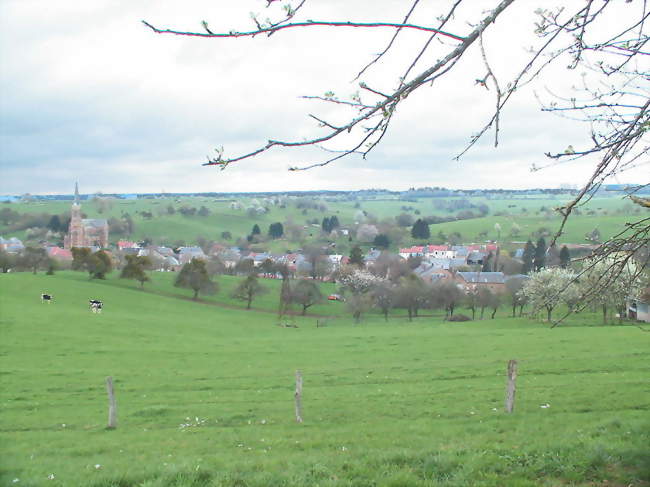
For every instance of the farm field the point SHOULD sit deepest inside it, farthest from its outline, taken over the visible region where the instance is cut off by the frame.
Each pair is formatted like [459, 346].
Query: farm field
[205, 395]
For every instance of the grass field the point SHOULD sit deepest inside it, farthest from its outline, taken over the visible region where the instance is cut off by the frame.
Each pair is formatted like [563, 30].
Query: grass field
[205, 396]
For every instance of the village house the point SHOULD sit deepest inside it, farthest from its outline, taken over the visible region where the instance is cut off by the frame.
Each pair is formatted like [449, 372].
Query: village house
[336, 260]
[187, 254]
[11, 245]
[229, 257]
[432, 251]
[431, 274]
[494, 281]
[59, 254]
[125, 244]
[445, 263]
[639, 309]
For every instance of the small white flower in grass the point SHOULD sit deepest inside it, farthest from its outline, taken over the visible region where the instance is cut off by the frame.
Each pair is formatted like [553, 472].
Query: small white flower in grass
[51, 476]
[545, 406]
[494, 409]
[344, 448]
[63, 425]
[97, 466]
[15, 480]
[263, 421]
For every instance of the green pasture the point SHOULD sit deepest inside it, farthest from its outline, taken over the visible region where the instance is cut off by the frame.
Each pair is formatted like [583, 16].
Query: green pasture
[609, 216]
[162, 283]
[205, 396]
[574, 231]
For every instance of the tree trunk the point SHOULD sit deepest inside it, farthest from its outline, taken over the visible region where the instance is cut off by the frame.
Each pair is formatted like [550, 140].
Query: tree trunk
[604, 314]
[621, 312]
[196, 294]
[514, 309]
[250, 300]
[304, 309]
[482, 311]
[548, 314]
[473, 313]
[494, 312]
[410, 310]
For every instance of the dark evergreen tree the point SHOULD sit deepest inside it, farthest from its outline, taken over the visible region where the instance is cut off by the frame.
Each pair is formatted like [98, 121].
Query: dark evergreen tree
[326, 225]
[276, 230]
[256, 230]
[487, 262]
[334, 222]
[565, 257]
[420, 230]
[528, 257]
[55, 224]
[356, 256]
[539, 261]
[381, 241]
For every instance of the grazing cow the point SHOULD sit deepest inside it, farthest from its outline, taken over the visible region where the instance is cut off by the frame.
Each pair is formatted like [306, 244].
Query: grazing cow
[96, 305]
[46, 297]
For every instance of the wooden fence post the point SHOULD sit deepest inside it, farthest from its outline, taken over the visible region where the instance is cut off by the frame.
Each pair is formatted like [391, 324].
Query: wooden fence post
[511, 387]
[112, 404]
[298, 396]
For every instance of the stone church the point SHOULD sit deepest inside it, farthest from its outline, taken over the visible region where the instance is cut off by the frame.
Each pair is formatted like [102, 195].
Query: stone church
[85, 232]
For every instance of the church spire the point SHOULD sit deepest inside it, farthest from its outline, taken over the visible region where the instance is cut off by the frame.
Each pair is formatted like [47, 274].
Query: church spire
[76, 193]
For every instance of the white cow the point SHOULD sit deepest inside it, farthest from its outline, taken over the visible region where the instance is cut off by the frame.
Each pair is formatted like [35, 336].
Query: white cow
[96, 305]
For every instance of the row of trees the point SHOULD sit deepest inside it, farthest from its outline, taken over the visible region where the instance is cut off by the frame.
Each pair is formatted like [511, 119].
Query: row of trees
[30, 259]
[537, 257]
[390, 286]
[276, 230]
[602, 283]
[195, 276]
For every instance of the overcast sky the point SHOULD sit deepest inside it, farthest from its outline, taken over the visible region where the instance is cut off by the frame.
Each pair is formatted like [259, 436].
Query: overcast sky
[89, 94]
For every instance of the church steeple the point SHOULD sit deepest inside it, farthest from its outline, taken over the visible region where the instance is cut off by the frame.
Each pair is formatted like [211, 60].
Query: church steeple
[76, 193]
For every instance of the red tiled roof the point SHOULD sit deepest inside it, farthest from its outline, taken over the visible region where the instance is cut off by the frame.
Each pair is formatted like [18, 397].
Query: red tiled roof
[416, 249]
[59, 253]
[124, 244]
[433, 248]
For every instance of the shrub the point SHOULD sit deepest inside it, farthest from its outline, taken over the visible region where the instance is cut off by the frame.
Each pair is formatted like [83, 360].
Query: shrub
[459, 317]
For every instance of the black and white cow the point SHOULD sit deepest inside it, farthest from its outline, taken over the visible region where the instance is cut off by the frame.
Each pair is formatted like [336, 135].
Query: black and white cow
[46, 297]
[96, 305]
